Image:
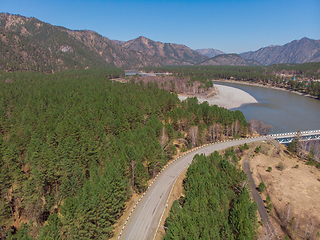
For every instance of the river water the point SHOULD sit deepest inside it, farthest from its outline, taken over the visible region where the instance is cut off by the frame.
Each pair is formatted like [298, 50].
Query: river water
[285, 111]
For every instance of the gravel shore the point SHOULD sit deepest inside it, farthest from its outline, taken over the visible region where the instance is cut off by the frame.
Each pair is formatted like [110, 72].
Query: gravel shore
[227, 97]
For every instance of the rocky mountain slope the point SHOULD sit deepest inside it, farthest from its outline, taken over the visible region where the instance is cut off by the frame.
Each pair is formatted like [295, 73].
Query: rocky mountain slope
[230, 59]
[171, 54]
[29, 44]
[210, 52]
[297, 51]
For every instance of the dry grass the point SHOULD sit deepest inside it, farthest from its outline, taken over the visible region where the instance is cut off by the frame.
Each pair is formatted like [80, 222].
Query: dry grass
[294, 192]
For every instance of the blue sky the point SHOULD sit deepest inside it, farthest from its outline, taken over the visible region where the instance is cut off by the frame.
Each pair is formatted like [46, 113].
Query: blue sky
[232, 26]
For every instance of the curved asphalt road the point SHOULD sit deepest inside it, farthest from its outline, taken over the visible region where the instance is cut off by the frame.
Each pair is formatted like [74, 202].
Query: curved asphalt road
[144, 220]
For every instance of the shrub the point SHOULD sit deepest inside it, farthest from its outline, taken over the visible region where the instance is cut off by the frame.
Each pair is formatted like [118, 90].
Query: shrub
[180, 135]
[292, 147]
[262, 187]
[257, 150]
[312, 163]
[241, 148]
[291, 222]
[268, 200]
[280, 166]
[311, 155]
[246, 146]
[269, 169]
[261, 222]
[183, 149]
[270, 207]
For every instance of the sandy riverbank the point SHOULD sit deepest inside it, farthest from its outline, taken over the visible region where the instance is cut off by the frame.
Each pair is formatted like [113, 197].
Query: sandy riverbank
[227, 97]
[266, 86]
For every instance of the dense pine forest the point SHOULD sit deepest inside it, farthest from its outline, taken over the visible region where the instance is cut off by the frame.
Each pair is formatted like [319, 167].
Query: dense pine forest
[74, 146]
[290, 76]
[216, 204]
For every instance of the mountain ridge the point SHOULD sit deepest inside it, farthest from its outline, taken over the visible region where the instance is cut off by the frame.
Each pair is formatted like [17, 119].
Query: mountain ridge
[87, 49]
[32, 45]
[210, 52]
[171, 53]
[297, 51]
[230, 59]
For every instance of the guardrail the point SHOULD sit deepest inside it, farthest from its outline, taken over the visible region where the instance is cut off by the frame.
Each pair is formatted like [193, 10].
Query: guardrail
[289, 137]
[194, 149]
[294, 133]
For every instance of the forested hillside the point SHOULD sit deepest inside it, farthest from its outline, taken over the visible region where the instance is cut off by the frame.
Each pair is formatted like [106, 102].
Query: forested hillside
[29, 44]
[33, 45]
[229, 60]
[170, 53]
[216, 204]
[74, 145]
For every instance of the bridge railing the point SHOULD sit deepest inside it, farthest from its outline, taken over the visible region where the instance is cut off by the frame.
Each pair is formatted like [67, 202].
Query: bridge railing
[289, 137]
[294, 133]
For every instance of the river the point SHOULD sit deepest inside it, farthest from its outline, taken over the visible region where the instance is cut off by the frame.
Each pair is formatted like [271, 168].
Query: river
[285, 111]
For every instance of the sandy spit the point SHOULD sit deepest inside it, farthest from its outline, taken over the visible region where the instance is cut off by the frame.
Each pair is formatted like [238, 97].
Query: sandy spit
[266, 86]
[227, 97]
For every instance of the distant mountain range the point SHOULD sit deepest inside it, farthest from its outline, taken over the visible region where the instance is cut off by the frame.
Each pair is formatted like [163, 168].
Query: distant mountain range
[30, 44]
[209, 52]
[230, 59]
[171, 54]
[297, 51]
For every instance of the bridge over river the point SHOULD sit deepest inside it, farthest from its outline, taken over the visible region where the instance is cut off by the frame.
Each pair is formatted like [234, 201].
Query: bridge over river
[144, 220]
[303, 136]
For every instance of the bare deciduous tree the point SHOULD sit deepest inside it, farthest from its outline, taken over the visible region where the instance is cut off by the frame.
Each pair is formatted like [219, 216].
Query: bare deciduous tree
[232, 129]
[163, 138]
[266, 129]
[296, 225]
[316, 151]
[304, 149]
[237, 127]
[259, 127]
[218, 130]
[133, 164]
[203, 136]
[288, 214]
[299, 142]
[212, 133]
[227, 131]
[193, 133]
[253, 126]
